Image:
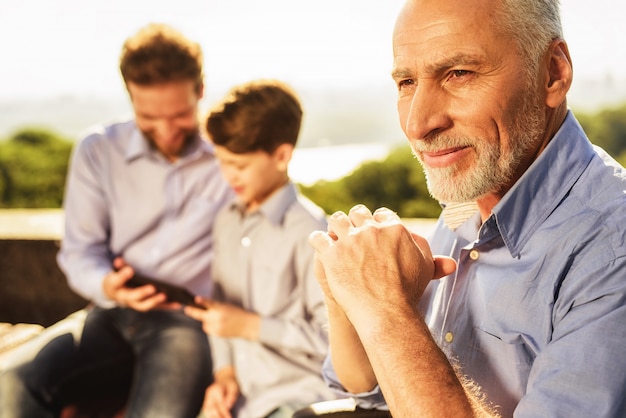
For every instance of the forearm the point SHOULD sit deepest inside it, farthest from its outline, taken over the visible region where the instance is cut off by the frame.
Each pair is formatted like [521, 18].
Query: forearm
[295, 335]
[400, 348]
[303, 333]
[85, 273]
[227, 372]
[347, 353]
[85, 256]
[221, 353]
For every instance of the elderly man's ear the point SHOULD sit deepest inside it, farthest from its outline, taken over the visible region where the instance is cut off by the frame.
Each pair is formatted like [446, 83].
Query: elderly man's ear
[559, 73]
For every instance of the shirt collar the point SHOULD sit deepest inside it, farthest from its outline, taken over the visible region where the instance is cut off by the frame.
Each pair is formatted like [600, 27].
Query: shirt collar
[276, 206]
[543, 186]
[139, 146]
[533, 197]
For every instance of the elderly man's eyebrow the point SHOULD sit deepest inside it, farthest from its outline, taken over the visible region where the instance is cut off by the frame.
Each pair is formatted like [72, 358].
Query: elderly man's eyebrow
[443, 63]
[400, 73]
[446, 62]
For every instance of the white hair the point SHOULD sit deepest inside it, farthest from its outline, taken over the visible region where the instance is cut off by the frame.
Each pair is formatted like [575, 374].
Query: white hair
[533, 24]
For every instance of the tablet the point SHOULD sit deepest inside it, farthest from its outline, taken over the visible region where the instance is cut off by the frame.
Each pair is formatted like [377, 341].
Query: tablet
[173, 292]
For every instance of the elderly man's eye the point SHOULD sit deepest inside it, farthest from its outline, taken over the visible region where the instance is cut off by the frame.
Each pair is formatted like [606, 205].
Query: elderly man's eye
[459, 73]
[405, 83]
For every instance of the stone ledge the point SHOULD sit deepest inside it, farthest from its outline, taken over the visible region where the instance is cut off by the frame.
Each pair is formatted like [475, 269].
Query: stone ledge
[47, 224]
[32, 287]
[44, 224]
[23, 341]
[12, 336]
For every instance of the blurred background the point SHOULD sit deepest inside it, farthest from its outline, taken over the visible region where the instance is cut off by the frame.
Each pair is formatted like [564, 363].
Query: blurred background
[59, 75]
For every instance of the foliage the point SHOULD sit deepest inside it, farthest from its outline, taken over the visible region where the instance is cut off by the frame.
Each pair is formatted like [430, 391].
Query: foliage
[397, 182]
[33, 165]
[607, 128]
[621, 158]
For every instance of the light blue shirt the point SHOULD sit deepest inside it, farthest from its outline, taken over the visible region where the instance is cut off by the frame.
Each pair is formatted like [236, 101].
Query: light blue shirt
[536, 312]
[123, 198]
[264, 264]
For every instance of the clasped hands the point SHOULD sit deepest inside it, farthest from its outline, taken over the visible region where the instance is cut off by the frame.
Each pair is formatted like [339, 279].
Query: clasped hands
[367, 261]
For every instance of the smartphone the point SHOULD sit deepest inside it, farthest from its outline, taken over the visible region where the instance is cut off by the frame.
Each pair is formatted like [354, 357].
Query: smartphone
[173, 292]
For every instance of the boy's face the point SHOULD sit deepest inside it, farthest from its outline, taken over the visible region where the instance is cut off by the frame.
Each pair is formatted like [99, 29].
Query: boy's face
[254, 176]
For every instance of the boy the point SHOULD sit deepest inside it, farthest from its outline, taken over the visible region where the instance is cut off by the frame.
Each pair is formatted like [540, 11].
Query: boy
[267, 318]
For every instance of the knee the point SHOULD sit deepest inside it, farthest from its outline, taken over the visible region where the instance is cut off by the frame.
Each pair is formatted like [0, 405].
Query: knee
[187, 343]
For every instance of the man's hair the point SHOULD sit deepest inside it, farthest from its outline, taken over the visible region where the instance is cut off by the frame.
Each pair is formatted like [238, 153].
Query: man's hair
[160, 54]
[533, 24]
[256, 116]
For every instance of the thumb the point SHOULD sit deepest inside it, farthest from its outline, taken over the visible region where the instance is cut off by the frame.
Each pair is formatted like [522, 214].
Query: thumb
[443, 266]
[118, 263]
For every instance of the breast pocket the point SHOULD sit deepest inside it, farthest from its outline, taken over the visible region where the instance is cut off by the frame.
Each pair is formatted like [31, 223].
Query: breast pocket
[502, 362]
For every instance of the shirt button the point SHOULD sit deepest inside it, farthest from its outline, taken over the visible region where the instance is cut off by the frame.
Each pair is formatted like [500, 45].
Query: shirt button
[245, 242]
[449, 337]
[474, 255]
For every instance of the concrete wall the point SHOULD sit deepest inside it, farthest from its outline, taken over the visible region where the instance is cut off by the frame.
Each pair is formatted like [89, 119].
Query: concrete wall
[32, 288]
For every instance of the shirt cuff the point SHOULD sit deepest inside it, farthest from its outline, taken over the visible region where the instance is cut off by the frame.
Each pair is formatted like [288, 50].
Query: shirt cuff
[368, 400]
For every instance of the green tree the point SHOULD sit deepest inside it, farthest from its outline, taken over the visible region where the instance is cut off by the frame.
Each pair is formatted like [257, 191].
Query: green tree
[606, 128]
[33, 166]
[397, 183]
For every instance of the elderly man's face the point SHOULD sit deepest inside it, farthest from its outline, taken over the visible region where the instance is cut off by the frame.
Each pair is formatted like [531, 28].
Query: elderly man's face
[473, 118]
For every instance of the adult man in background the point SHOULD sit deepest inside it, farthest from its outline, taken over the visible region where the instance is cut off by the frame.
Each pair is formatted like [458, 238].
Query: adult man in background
[140, 197]
[530, 323]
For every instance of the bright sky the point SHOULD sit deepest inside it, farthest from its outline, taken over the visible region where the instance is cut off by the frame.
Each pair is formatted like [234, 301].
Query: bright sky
[71, 47]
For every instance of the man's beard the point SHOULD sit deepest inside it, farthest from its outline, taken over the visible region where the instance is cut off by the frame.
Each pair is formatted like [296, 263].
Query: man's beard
[188, 138]
[493, 168]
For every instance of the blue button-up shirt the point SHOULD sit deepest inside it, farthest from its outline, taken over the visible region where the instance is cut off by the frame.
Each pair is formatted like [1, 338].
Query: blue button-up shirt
[123, 198]
[536, 312]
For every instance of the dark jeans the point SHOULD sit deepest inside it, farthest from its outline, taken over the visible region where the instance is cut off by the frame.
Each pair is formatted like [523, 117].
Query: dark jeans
[159, 359]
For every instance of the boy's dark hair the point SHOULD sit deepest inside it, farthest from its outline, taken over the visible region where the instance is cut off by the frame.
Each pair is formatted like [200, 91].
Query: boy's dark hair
[159, 54]
[256, 116]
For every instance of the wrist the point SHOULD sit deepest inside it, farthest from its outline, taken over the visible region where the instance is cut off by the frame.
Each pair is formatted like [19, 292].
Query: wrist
[252, 327]
[225, 373]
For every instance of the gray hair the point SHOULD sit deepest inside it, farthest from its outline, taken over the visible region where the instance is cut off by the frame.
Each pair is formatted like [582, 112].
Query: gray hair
[533, 24]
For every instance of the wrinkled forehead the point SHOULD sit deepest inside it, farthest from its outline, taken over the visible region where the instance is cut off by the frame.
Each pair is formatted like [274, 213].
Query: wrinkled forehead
[433, 30]
[436, 18]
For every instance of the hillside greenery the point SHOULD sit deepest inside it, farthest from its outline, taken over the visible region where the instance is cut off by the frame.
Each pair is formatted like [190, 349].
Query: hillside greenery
[397, 182]
[33, 165]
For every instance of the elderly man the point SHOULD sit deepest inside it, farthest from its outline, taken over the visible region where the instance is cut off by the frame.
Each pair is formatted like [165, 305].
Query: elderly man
[527, 317]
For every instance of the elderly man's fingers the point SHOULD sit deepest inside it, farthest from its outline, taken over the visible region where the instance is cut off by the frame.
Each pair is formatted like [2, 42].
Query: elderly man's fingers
[443, 266]
[359, 215]
[385, 215]
[339, 224]
[320, 240]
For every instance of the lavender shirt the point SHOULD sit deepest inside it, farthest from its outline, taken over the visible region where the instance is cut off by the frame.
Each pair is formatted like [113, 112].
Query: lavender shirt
[124, 199]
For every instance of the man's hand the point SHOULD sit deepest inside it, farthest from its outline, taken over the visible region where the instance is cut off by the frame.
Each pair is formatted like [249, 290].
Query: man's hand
[222, 394]
[142, 298]
[369, 261]
[226, 320]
